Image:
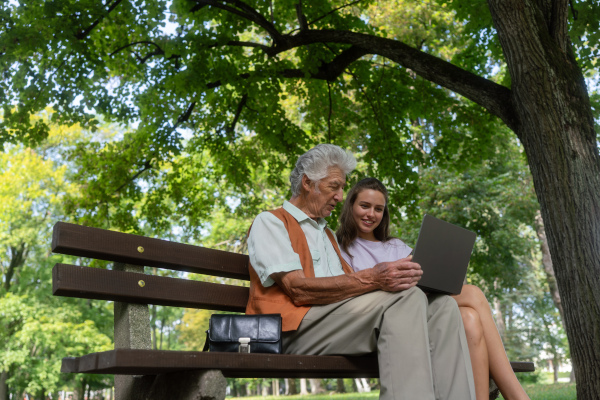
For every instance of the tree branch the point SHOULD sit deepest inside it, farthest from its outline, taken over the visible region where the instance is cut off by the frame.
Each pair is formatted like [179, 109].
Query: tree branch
[230, 130]
[82, 34]
[185, 116]
[573, 10]
[490, 95]
[301, 17]
[242, 44]
[332, 70]
[321, 17]
[243, 10]
[133, 44]
[334, 10]
[18, 256]
[147, 166]
[327, 71]
[370, 101]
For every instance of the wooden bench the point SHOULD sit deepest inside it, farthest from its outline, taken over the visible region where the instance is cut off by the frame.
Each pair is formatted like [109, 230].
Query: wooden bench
[137, 367]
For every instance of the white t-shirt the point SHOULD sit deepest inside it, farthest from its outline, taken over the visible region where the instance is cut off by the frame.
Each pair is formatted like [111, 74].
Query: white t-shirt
[367, 254]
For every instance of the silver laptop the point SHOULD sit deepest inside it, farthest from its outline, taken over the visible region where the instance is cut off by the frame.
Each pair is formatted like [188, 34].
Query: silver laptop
[443, 250]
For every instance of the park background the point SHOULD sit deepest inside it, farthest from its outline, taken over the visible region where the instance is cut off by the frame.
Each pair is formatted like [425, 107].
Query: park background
[178, 120]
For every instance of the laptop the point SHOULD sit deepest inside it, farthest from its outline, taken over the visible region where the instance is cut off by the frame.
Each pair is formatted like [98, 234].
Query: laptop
[443, 250]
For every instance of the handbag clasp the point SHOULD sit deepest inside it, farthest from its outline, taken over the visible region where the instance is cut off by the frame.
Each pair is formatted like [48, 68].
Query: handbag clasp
[244, 345]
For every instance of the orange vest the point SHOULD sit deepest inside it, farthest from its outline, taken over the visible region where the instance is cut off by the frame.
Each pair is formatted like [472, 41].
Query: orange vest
[272, 300]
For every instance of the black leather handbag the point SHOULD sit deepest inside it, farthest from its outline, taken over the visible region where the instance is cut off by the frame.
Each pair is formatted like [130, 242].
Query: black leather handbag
[259, 333]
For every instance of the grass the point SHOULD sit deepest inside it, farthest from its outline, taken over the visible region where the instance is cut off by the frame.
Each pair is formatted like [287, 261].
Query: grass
[558, 391]
[553, 391]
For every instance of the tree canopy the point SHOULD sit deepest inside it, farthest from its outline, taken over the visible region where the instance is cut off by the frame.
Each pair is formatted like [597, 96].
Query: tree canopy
[224, 94]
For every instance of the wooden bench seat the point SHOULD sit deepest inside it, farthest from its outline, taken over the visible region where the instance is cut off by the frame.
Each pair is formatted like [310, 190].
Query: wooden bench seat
[125, 288]
[233, 365]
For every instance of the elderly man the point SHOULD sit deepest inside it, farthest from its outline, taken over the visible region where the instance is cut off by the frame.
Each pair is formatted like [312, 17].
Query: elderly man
[297, 271]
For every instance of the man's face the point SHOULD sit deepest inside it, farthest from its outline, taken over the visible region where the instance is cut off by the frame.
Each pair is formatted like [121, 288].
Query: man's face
[321, 202]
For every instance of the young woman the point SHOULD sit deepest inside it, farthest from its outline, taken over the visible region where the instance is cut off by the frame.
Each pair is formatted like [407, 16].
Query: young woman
[364, 239]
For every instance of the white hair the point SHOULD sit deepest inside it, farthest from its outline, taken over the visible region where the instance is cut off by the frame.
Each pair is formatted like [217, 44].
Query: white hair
[316, 162]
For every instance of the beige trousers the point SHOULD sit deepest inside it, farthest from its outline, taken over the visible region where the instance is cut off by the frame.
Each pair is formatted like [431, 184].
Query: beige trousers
[420, 341]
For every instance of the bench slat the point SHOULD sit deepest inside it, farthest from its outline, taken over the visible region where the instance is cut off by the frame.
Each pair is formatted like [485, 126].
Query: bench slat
[233, 365]
[101, 284]
[108, 245]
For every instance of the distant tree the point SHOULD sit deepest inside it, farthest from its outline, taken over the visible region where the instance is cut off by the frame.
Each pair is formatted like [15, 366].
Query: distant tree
[37, 330]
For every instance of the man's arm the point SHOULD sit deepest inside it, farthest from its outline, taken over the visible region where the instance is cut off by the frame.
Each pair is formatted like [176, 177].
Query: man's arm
[388, 276]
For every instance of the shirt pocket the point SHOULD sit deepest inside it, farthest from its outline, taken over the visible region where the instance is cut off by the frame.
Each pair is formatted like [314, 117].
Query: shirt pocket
[316, 258]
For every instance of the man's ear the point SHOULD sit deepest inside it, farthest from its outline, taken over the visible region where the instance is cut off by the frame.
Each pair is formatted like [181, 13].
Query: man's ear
[307, 183]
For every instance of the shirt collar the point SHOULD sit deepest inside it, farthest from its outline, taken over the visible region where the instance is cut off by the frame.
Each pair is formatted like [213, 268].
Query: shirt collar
[300, 216]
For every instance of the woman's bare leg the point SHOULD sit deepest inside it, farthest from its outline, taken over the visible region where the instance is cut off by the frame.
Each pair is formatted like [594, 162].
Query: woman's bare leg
[478, 351]
[499, 365]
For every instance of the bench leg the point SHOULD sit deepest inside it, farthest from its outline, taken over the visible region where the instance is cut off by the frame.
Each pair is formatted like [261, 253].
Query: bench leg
[189, 385]
[494, 391]
[132, 331]
[132, 387]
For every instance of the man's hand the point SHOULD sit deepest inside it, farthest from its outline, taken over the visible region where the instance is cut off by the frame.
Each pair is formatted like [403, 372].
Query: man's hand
[395, 276]
[391, 276]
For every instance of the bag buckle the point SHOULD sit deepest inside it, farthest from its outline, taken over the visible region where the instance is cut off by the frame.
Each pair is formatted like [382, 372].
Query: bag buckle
[244, 345]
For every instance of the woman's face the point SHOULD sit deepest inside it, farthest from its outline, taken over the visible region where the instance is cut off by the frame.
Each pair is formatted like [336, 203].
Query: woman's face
[367, 212]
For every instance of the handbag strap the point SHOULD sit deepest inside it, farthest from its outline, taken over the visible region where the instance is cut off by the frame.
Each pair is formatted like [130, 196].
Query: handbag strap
[206, 343]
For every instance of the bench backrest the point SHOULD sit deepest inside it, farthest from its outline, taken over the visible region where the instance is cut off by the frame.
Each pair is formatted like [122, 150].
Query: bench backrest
[130, 287]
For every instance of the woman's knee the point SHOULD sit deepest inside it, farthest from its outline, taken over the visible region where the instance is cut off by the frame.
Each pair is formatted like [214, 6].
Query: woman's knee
[471, 296]
[472, 324]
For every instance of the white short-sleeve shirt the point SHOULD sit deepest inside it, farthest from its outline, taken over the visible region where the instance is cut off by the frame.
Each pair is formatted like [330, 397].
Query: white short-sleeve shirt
[270, 248]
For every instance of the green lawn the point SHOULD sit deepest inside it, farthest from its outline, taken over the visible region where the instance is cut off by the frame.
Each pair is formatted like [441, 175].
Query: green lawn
[559, 391]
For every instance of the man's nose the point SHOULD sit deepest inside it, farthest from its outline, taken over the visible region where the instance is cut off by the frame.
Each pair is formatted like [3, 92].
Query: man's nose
[339, 195]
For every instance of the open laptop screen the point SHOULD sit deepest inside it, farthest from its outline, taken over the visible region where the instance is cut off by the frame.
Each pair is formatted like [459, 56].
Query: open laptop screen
[443, 250]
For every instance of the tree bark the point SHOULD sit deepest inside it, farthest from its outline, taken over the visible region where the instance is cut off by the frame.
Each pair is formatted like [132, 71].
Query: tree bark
[556, 129]
[547, 264]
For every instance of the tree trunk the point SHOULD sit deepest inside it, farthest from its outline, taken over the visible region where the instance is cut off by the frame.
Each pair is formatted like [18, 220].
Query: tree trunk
[17, 259]
[80, 393]
[292, 386]
[340, 386]
[547, 264]
[315, 386]
[499, 317]
[3, 385]
[556, 127]
[303, 388]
